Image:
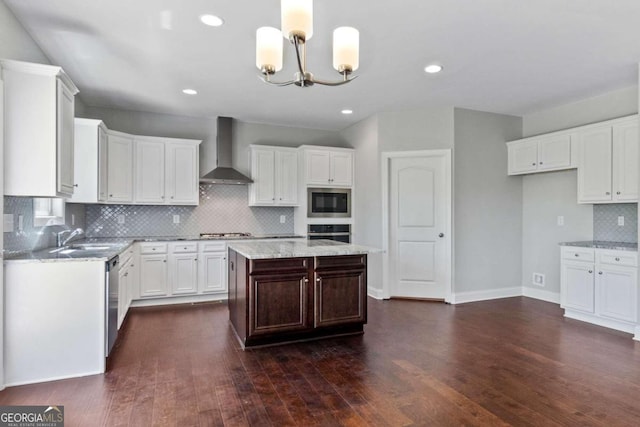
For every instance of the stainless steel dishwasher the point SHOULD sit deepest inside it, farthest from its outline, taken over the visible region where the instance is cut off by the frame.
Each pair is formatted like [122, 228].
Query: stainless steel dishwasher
[112, 292]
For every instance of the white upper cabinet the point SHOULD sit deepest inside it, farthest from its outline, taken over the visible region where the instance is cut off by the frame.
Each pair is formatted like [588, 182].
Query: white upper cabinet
[608, 163]
[39, 128]
[274, 171]
[540, 154]
[149, 172]
[119, 167]
[328, 166]
[89, 141]
[182, 173]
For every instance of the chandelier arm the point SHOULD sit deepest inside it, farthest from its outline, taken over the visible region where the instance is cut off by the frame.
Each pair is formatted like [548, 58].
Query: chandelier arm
[299, 57]
[326, 83]
[268, 81]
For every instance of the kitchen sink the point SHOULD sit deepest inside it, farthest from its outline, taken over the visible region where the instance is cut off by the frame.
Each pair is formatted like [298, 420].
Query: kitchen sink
[65, 250]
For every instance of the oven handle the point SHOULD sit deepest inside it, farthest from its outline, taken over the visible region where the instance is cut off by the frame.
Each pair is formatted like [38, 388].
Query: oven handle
[329, 234]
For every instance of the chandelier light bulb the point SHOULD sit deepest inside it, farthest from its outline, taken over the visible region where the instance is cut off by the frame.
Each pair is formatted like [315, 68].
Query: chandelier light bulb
[346, 49]
[268, 49]
[297, 18]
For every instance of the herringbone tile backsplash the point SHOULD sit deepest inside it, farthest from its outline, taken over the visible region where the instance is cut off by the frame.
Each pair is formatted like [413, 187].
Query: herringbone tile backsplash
[605, 222]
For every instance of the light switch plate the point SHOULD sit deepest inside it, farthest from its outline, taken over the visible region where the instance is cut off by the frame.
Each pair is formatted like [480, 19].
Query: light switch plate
[283, 219]
[120, 219]
[560, 220]
[176, 219]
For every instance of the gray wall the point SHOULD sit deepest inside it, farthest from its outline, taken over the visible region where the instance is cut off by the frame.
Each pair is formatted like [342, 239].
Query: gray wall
[548, 195]
[487, 203]
[367, 203]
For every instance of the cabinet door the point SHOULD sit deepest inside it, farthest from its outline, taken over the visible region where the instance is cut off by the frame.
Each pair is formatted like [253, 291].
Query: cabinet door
[617, 293]
[123, 294]
[594, 165]
[341, 168]
[65, 115]
[317, 165]
[522, 157]
[182, 174]
[85, 162]
[149, 172]
[120, 168]
[280, 303]
[554, 152]
[213, 268]
[263, 191]
[339, 298]
[577, 286]
[183, 273]
[153, 275]
[625, 162]
[102, 165]
[287, 178]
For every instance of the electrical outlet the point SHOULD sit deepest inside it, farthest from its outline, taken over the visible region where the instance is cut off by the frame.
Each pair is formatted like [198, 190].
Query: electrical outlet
[621, 221]
[560, 220]
[20, 223]
[73, 219]
[283, 219]
[8, 223]
[538, 279]
[176, 219]
[120, 219]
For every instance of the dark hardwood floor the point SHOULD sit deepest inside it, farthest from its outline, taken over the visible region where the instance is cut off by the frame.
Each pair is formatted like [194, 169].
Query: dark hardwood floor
[514, 362]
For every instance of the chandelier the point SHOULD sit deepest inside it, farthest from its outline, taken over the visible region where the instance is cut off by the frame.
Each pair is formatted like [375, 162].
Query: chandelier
[297, 27]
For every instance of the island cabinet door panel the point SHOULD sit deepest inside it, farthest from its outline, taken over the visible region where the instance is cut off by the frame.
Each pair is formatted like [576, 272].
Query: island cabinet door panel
[279, 303]
[340, 298]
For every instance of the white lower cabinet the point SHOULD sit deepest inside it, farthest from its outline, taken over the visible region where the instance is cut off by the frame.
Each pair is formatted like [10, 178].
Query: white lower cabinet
[153, 270]
[213, 267]
[600, 286]
[183, 268]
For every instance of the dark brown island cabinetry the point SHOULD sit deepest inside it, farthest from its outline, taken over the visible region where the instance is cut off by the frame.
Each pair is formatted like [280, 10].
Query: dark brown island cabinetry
[279, 300]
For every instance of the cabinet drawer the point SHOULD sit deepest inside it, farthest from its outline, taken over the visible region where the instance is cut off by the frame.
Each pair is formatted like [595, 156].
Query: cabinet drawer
[153, 248]
[213, 246]
[626, 258]
[341, 262]
[279, 265]
[578, 254]
[183, 247]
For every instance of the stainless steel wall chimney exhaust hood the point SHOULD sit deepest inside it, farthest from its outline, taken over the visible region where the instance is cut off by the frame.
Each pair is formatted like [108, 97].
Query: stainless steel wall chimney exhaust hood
[224, 172]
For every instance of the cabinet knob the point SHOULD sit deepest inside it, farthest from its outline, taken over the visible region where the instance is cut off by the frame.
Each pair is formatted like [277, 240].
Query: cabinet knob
[617, 259]
[126, 274]
[273, 198]
[306, 280]
[318, 279]
[185, 248]
[75, 185]
[618, 193]
[172, 197]
[441, 235]
[153, 249]
[608, 193]
[110, 195]
[533, 164]
[195, 259]
[590, 271]
[163, 197]
[540, 162]
[576, 255]
[164, 260]
[132, 265]
[600, 272]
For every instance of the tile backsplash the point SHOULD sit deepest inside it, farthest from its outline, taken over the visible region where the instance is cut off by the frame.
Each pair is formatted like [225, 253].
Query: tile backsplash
[605, 222]
[32, 238]
[223, 208]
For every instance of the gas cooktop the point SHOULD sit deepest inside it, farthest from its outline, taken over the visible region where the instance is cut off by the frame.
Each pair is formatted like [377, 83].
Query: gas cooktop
[223, 235]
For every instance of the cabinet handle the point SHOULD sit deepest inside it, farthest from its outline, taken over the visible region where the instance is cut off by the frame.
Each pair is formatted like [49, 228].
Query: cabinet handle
[617, 259]
[126, 274]
[608, 193]
[618, 193]
[540, 162]
[232, 266]
[75, 185]
[590, 271]
[600, 272]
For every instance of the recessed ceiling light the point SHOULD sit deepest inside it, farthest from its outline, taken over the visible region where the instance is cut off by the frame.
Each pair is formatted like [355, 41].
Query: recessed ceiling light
[190, 91]
[211, 20]
[433, 68]
[347, 111]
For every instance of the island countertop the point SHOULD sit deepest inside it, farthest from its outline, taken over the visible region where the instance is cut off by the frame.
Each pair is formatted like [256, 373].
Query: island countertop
[298, 249]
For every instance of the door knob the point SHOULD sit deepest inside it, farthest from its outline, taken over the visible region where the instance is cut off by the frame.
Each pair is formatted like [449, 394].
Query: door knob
[441, 235]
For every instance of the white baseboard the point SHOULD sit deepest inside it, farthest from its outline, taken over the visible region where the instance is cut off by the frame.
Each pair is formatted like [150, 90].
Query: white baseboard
[375, 293]
[463, 297]
[190, 299]
[54, 378]
[637, 334]
[541, 294]
[600, 321]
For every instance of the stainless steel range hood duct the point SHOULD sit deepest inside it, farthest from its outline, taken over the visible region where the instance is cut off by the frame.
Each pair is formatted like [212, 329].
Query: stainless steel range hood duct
[224, 172]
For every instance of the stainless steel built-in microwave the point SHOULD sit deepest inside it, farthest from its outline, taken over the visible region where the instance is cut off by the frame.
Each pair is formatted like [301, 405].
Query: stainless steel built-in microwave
[328, 203]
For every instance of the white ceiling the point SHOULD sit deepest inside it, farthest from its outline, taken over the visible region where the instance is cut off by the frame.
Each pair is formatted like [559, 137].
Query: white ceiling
[505, 56]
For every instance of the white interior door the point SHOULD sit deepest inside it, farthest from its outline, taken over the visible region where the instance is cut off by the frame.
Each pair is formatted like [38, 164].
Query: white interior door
[418, 194]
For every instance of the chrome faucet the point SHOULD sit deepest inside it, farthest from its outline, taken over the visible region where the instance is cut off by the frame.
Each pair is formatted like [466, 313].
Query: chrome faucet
[74, 233]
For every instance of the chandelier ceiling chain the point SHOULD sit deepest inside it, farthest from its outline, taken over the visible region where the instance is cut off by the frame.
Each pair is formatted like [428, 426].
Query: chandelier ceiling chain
[297, 26]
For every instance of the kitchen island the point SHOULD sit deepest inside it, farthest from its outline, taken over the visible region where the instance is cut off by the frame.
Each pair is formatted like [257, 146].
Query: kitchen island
[297, 290]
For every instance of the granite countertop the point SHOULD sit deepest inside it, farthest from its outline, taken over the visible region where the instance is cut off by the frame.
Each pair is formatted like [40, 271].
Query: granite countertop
[298, 249]
[602, 244]
[117, 245]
